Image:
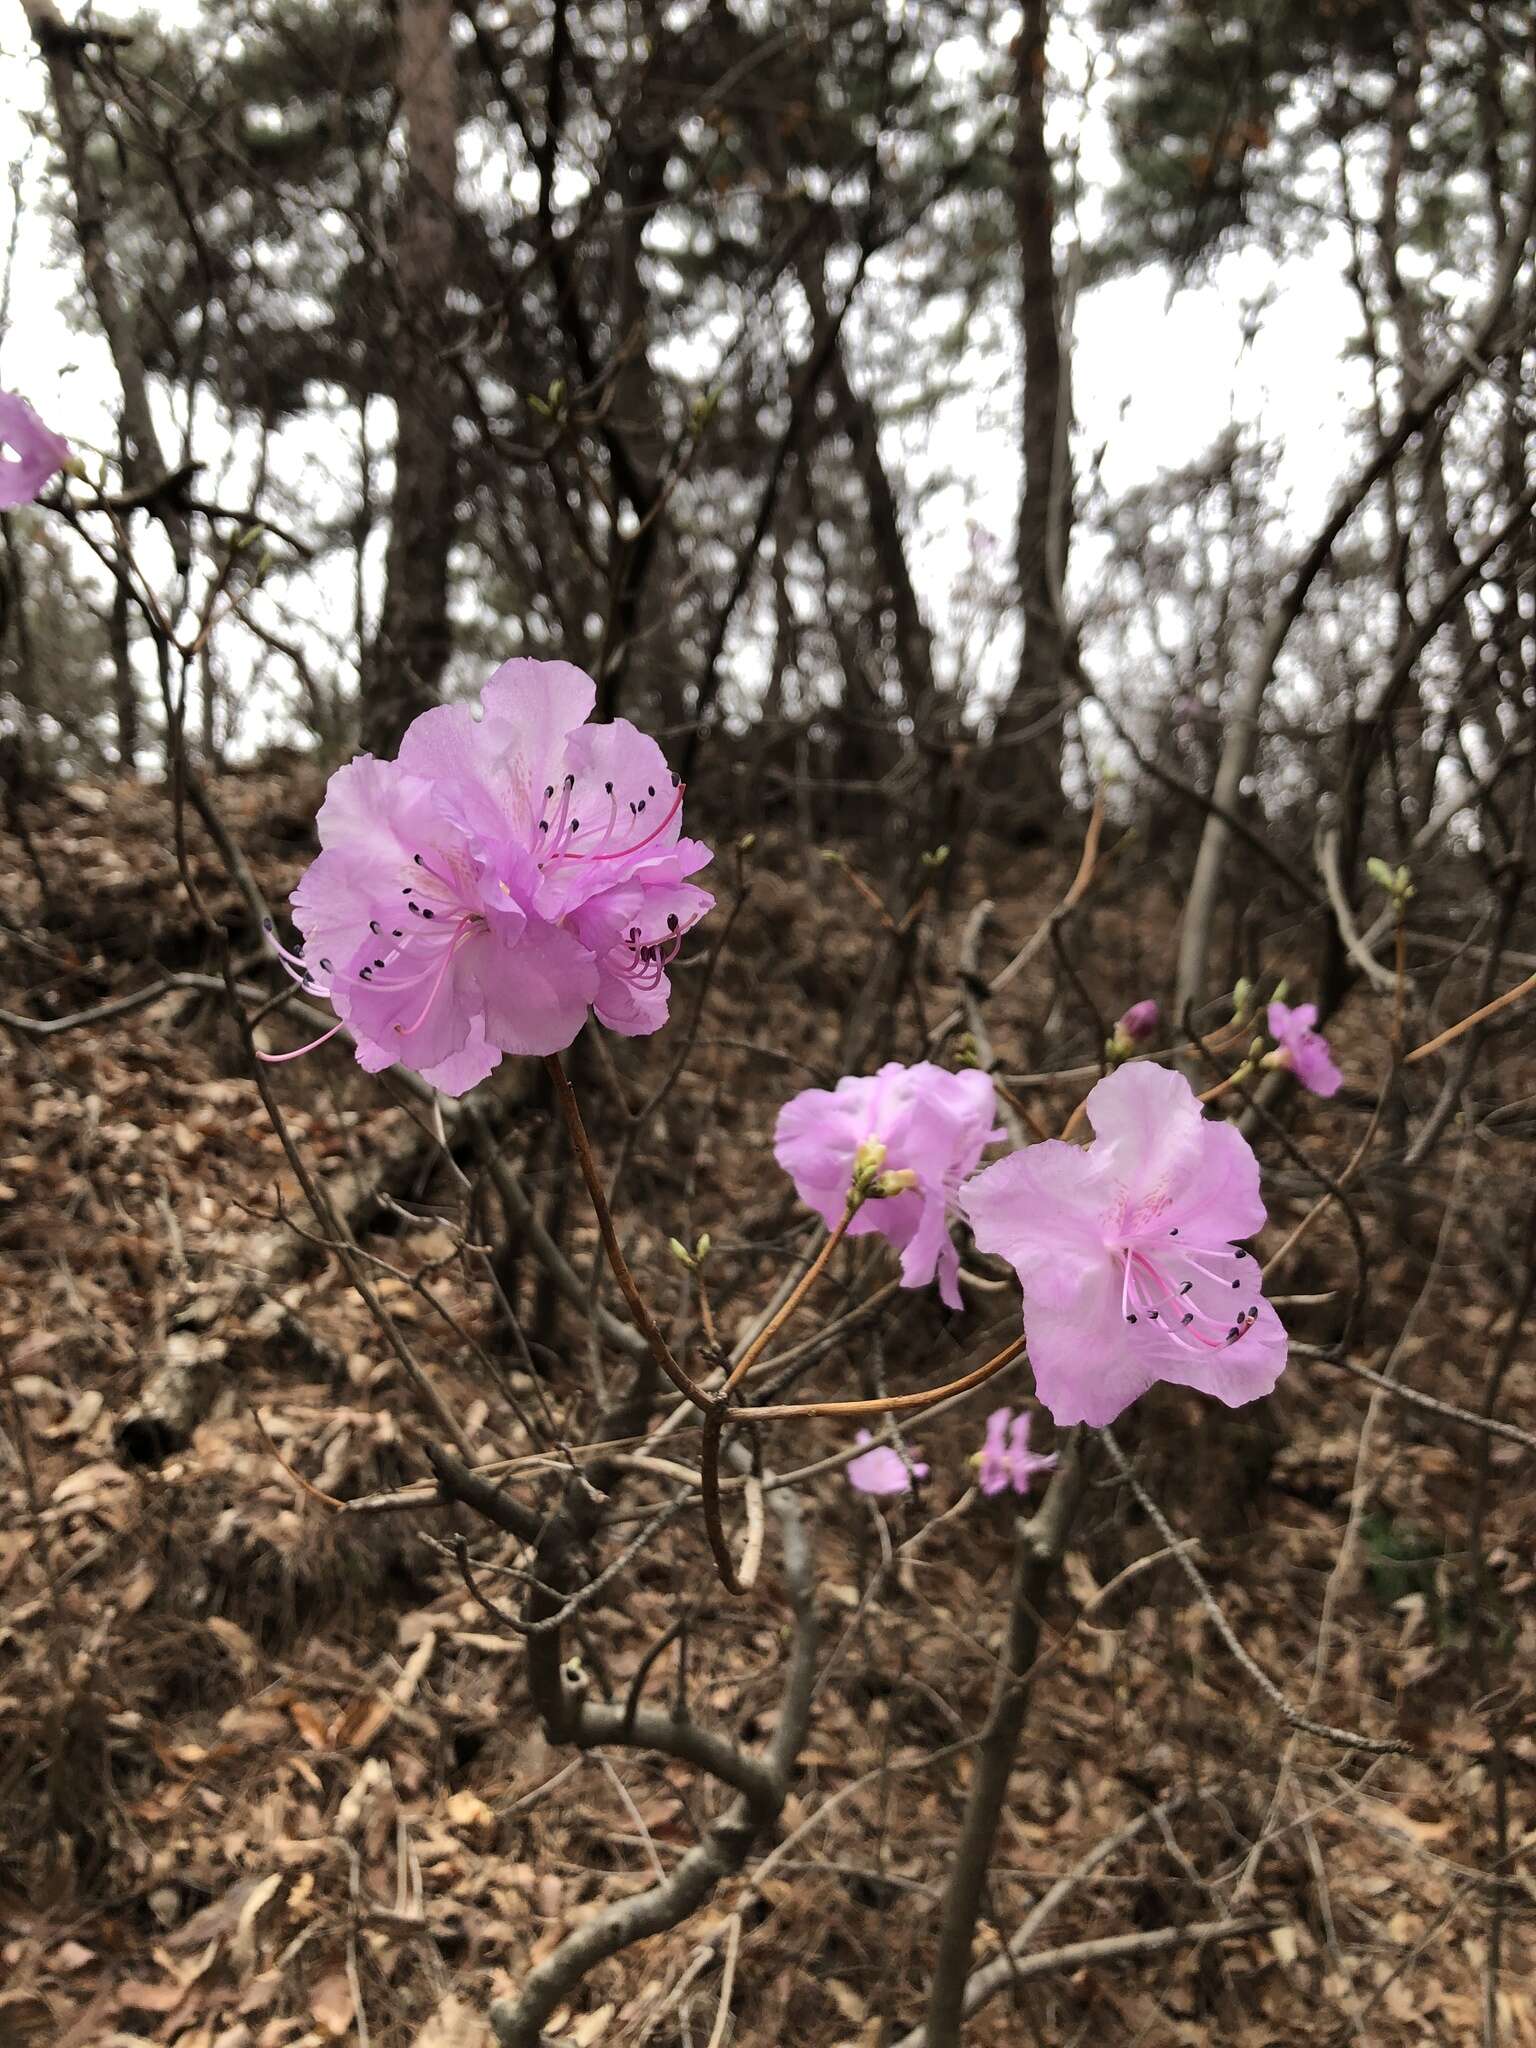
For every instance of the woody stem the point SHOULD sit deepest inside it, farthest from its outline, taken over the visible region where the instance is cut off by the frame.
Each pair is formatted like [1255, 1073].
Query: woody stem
[645, 1322]
[802, 1288]
[892, 1404]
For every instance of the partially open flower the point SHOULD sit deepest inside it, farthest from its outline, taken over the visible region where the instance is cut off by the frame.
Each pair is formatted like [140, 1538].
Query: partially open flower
[1302, 1048]
[918, 1120]
[1139, 1024]
[1128, 1253]
[30, 453]
[478, 894]
[1005, 1459]
[882, 1470]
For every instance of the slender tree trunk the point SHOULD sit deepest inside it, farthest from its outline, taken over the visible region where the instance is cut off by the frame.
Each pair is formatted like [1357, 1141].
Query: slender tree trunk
[1045, 504]
[411, 651]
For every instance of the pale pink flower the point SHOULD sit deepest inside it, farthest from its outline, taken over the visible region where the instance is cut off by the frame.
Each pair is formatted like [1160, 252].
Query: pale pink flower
[931, 1123]
[478, 894]
[1303, 1048]
[1127, 1252]
[882, 1470]
[1139, 1022]
[1005, 1458]
[35, 452]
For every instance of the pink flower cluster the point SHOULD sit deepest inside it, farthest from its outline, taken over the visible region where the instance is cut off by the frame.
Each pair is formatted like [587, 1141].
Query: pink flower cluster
[502, 876]
[35, 454]
[930, 1123]
[1128, 1250]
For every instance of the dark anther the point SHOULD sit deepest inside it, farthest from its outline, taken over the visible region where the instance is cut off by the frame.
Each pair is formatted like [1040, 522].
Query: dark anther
[1130, 1319]
[399, 935]
[373, 924]
[327, 966]
[543, 824]
[1237, 1283]
[607, 789]
[418, 860]
[429, 913]
[550, 790]
[671, 921]
[378, 963]
[266, 924]
[575, 824]
[1186, 1287]
[1174, 1231]
[1187, 1320]
[649, 789]
[363, 973]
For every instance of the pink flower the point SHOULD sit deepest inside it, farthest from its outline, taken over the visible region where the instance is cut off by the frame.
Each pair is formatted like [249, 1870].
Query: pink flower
[1005, 1459]
[1126, 1252]
[931, 1123]
[1139, 1022]
[37, 453]
[1303, 1048]
[476, 895]
[882, 1470]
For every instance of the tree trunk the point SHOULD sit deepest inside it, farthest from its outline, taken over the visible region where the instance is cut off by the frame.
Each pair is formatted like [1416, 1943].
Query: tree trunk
[1033, 764]
[411, 650]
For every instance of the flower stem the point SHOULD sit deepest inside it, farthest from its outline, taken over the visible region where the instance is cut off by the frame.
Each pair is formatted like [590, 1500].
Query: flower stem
[897, 1404]
[803, 1286]
[646, 1323]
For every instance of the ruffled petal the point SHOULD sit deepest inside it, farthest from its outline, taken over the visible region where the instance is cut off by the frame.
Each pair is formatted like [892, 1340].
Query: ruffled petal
[1147, 1127]
[535, 993]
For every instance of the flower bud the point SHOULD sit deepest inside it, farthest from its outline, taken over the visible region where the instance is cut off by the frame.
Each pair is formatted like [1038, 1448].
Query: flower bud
[1139, 1022]
[885, 1185]
[680, 1252]
[701, 1249]
[869, 1158]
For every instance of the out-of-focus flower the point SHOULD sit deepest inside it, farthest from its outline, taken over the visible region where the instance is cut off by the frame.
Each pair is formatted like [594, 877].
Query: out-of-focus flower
[476, 895]
[918, 1120]
[1005, 1458]
[1302, 1048]
[882, 1470]
[30, 453]
[1127, 1253]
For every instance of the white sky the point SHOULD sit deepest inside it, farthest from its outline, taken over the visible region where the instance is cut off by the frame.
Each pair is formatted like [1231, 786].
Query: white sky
[1155, 381]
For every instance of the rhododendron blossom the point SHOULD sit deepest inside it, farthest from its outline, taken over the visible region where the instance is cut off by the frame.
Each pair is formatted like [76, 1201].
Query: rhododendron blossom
[30, 453]
[1005, 1458]
[1127, 1252]
[1303, 1048]
[933, 1124]
[476, 895]
[882, 1470]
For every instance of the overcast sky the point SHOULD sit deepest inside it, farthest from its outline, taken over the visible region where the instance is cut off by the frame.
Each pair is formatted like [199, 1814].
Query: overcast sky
[1155, 379]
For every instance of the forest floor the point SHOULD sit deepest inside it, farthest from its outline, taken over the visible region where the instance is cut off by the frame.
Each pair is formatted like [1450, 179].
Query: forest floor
[270, 1777]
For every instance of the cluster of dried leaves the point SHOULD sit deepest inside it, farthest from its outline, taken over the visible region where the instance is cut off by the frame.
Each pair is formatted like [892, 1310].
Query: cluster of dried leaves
[269, 1776]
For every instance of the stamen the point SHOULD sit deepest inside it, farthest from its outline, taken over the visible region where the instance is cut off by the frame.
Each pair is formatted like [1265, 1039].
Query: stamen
[276, 1059]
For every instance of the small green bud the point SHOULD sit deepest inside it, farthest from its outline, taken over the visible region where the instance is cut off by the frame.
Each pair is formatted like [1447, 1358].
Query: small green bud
[1242, 996]
[746, 842]
[937, 858]
[680, 1252]
[884, 1185]
[701, 1249]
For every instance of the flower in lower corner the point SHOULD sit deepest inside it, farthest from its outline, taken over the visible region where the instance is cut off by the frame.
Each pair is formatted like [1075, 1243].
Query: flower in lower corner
[503, 875]
[1005, 1459]
[1129, 1252]
[882, 1470]
[30, 453]
[1302, 1048]
[918, 1120]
